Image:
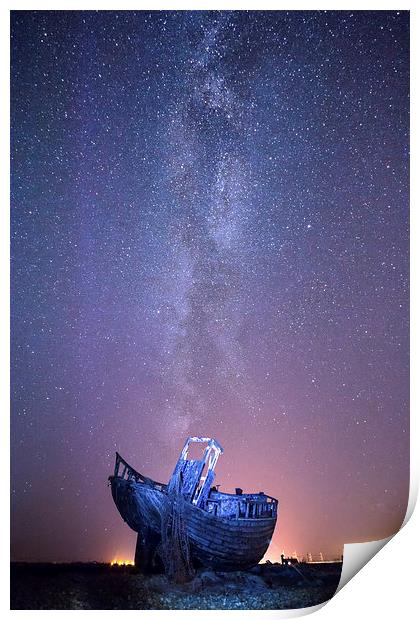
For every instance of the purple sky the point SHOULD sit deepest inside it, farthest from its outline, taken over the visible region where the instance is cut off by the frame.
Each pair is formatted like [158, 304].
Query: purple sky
[209, 237]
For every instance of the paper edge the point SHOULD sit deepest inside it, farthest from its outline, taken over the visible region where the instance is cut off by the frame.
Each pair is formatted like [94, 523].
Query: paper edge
[357, 555]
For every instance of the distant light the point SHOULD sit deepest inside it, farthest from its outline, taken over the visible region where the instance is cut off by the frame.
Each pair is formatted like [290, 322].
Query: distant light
[122, 563]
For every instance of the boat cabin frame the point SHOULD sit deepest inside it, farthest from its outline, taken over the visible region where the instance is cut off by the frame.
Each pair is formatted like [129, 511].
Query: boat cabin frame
[197, 476]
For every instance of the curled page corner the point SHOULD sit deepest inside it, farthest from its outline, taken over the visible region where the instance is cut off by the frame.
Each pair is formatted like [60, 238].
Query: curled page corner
[356, 555]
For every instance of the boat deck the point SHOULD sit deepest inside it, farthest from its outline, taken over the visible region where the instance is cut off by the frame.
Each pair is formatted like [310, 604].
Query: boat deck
[235, 506]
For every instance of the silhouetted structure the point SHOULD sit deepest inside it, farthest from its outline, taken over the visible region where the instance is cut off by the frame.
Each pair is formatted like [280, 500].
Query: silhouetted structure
[190, 522]
[291, 560]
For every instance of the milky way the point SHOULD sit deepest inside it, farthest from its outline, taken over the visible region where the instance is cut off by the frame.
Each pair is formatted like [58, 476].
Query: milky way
[209, 237]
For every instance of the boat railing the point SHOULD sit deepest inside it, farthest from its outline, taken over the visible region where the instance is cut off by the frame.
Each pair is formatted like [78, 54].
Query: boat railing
[124, 471]
[255, 506]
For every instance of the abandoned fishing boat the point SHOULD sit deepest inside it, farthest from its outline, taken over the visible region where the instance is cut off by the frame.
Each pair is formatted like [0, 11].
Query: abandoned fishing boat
[211, 529]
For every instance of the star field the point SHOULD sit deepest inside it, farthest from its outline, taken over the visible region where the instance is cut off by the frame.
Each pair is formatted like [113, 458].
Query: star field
[209, 237]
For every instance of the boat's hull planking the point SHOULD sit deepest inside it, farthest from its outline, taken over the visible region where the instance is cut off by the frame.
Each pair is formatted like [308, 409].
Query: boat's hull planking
[215, 542]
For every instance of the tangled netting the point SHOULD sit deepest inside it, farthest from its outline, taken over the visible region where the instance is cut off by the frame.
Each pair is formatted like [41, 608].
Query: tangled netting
[175, 548]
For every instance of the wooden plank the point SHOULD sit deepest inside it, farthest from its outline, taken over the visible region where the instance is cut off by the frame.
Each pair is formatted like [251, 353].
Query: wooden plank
[213, 529]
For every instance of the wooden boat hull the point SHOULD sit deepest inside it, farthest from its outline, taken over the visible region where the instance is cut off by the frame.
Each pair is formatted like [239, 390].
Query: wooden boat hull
[139, 504]
[227, 544]
[215, 542]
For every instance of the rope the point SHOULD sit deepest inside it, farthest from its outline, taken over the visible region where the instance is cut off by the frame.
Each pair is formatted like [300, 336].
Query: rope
[175, 548]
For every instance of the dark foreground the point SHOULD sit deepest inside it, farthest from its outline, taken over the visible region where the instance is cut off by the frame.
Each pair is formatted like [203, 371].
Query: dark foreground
[99, 586]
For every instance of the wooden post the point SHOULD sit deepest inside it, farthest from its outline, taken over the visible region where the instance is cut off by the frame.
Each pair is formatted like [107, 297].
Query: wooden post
[146, 558]
[140, 558]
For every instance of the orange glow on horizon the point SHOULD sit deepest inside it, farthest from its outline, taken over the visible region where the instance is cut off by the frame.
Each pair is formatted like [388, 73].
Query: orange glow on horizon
[122, 563]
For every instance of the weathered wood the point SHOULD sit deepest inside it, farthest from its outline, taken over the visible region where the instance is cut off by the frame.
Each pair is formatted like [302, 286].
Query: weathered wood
[225, 531]
[146, 558]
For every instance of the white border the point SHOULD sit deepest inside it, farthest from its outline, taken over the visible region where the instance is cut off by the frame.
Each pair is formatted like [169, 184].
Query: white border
[386, 586]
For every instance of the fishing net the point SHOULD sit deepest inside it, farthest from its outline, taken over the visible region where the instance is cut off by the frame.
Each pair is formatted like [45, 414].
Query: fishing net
[175, 548]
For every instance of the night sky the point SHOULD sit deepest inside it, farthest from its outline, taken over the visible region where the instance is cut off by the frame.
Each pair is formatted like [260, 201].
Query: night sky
[209, 237]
